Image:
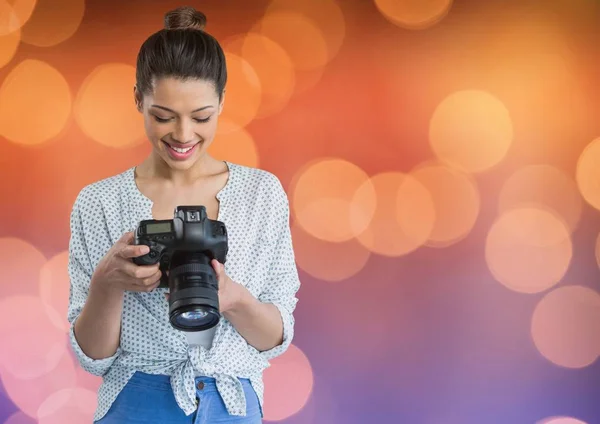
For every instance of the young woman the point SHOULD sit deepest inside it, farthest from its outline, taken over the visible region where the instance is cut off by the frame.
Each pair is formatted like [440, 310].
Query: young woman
[120, 328]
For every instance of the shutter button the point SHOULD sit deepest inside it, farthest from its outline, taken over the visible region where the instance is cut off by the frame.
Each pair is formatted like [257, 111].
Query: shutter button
[200, 385]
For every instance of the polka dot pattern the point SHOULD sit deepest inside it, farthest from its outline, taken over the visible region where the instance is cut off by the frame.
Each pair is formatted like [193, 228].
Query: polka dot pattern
[255, 210]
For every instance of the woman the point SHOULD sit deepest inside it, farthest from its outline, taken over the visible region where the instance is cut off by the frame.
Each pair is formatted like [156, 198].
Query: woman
[119, 317]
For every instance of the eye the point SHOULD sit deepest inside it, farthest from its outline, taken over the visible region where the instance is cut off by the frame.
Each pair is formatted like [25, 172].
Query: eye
[162, 120]
[201, 121]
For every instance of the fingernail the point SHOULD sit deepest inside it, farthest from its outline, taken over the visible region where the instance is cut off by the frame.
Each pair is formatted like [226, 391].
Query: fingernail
[145, 249]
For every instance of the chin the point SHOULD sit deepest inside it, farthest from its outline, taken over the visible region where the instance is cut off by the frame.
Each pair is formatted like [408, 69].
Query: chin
[181, 165]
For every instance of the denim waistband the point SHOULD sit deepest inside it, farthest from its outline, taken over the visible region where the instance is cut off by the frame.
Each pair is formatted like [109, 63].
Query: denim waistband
[163, 382]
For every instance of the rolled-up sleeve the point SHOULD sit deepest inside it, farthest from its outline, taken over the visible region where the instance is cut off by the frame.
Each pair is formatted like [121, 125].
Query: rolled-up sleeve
[80, 274]
[282, 283]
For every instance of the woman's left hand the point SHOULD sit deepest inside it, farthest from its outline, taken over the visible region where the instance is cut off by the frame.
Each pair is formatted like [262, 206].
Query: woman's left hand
[228, 289]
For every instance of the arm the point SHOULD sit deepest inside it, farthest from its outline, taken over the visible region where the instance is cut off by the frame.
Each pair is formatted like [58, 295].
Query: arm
[94, 314]
[98, 327]
[259, 323]
[267, 323]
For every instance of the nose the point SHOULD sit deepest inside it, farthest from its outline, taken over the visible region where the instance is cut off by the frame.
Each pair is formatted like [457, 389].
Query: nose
[184, 132]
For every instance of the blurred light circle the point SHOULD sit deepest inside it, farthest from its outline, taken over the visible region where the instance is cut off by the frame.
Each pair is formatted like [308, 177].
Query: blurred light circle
[325, 260]
[597, 249]
[528, 250]
[565, 326]
[456, 200]
[471, 130]
[8, 45]
[273, 67]
[50, 25]
[54, 290]
[288, 384]
[404, 216]
[36, 346]
[561, 420]
[21, 264]
[85, 380]
[588, 173]
[35, 103]
[298, 35]
[72, 405]
[20, 418]
[105, 109]
[543, 185]
[234, 145]
[324, 203]
[243, 93]
[14, 14]
[29, 395]
[325, 15]
[414, 14]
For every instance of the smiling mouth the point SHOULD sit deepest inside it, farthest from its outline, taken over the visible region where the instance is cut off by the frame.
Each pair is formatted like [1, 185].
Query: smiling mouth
[181, 149]
[180, 152]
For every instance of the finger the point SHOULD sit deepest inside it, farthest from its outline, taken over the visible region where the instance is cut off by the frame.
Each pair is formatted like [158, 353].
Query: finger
[138, 271]
[151, 281]
[216, 266]
[133, 251]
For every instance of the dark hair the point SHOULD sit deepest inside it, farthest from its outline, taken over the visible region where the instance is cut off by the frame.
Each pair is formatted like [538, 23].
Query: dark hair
[181, 50]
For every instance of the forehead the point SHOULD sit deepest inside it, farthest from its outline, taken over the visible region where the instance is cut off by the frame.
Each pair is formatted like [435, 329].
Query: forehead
[182, 95]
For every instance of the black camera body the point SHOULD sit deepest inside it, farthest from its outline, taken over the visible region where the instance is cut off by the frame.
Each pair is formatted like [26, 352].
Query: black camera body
[185, 246]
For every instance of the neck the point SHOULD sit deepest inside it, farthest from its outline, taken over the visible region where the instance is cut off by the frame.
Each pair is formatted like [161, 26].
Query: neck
[155, 167]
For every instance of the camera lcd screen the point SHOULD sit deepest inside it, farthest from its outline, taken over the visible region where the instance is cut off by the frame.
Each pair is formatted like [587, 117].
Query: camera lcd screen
[160, 227]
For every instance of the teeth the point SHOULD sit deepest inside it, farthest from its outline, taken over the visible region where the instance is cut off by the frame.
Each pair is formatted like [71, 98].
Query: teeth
[177, 149]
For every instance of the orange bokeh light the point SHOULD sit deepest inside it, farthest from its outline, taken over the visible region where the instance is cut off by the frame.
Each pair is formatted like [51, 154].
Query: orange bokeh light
[35, 103]
[8, 46]
[588, 173]
[50, 25]
[323, 199]
[14, 14]
[54, 290]
[543, 185]
[528, 250]
[68, 405]
[21, 265]
[105, 108]
[273, 67]
[326, 15]
[471, 130]
[414, 14]
[234, 145]
[29, 357]
[326, 260]
[243, 93]
[404, 215]
[29, 395]
[565, 326]
[456, 199]
[288, 384]
[298, 35]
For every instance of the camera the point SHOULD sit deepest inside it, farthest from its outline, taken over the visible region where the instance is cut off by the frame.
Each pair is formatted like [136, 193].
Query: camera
[185, 246]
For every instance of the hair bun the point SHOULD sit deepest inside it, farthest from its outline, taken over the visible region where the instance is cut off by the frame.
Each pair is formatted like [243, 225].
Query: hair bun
[185, 18]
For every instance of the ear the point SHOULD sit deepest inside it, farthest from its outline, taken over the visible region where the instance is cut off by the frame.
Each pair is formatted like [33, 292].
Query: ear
[222, 102]
[138, 98]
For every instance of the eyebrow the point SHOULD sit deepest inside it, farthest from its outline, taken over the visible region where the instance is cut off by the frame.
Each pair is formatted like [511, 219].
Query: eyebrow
[172, 111]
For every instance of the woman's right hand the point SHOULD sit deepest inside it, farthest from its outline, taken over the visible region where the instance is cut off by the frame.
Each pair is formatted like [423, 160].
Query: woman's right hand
[117, 272]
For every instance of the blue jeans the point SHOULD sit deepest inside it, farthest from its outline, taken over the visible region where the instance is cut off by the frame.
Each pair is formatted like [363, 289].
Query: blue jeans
[149, 399]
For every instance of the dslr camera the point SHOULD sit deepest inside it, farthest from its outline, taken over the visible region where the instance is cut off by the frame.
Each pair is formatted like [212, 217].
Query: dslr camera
[184, 246]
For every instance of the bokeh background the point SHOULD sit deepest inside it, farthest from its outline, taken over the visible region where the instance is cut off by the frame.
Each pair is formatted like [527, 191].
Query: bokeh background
[441, 160]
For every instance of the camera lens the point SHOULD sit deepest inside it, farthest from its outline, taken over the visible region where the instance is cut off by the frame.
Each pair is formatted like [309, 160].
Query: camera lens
[193, 299]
